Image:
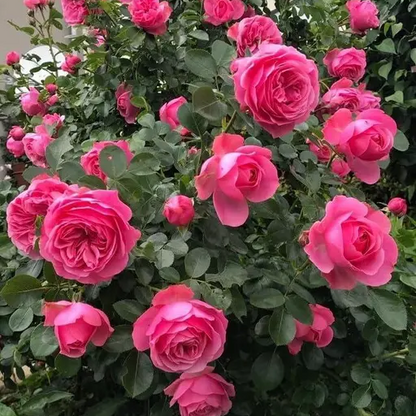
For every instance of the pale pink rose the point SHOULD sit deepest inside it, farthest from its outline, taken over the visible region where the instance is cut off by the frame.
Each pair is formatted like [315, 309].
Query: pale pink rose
[234, 175]
[322, 152]
[87, 236]
[33, 4]
[340, 167]
[201, 394]
[91, 160]
[35, 147]
[32, 104]
[319, 333]
[397, 206]
[76, 324]
[168, 113]
[250, 32]
[150, 15]
[193, 151]
[70, 63]
[363, 15]
[17, 133]
[51, 88]
[365, 141]
[74, 12]
[218, 12]
[99, 36]
[278, 85]
[352, 244]
[124, 105]
[346, 63]
[12, 58]
[179, 210]
[15, 147]
[183, 334]
[52, 100]
[51, 124]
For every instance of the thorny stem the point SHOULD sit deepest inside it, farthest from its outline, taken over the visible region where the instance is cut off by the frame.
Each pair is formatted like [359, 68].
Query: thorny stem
[388, 355]
[231, 122]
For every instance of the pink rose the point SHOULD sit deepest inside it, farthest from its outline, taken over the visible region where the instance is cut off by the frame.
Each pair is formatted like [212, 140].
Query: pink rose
[15, 147]
[183, 334]
[74, 12]
[218, 12]
[51, 124]
[23, 211]
[17, 133]
[193, 151]
[33, 4]
[52, 100]
[12, 58]
[363, 15]
[364, 141]
[150, 15]
[346, 63]
[397, 206]
[340, 167]
[179, 210]
[32, 104]
[236, 174]
[352, 244]
[201, 394]
[70, 63]
[124, 105]
[91, 160]
[76, 325]
[249, 33]
[322, 152]
[304, 238]
[319, 333]
[99, 36]
[51, 88]
[87, 236]
[249, 12]
[278, 85]
[35, 148]
[168, 113]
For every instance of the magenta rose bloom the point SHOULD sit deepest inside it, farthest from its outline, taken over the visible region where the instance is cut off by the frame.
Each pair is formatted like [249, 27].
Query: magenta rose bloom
[150, 15]
[351, 245]
[124, 105]
[201, 394]
[87, 236]
[71, 63]
[15, 147]
[33, 4]
[340, 167]
[76, 325]
[397, 206]
[218, 12]
[35, 145]
[183, 334]
[234, 175]
[51, 124]
[51, 88]
[12, 58]
[278, 85]
[74, 12]
[363, 15]
[346, 63]
[319, 333]
[168, 113]
[32, 104]
[250, 32]
[179, 210]
[17, 133]
[322, 152]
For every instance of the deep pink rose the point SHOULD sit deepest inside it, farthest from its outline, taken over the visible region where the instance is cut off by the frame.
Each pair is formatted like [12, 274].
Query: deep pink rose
[218, 12]
[249, 12]
[15, 147]
[365, 141]
[201, 394]
[397, 206]
[179, 210]
[363, 15]
[236, 174]
[278, 85]
[124, 105]
[12, 58]
[193, 151]
[32, 104]
[346, 63]
[23, 211]
[352, 244]
[150, 15]
[99, 35]
[51, 124]
[70, 63]
[33, 4]
[322, 152]
[51, 88]
[16, 133]
[87, 236]
[76, 325]
[52, 100]
[340, 167]
[249, 33]
[168, 113]
[74, 12]
[319, 333]
[35, 147]
[91, 160]
[183, 334]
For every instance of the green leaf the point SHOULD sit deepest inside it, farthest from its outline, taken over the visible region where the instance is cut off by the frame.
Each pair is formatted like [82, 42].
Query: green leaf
[387, 46]
[282, 327]
[6, 411]
[140, 373]
[390, 308]
[199, 34]
[312, 356]
[106, 407]
[287, 151]
[128, 309]
[201, 63]
[71, 171]
[92, 182]
[408, 281]
[208, 105]
[144, 271]
[380, 389]
[233, 274]
[238, 304]
[56, 150]
[22, 290]
[170, 275]
[21, 319]
[223, 53]
[299, 309]
[113, 161]
[120, 340]
[33, 171]
[197, 262]
[144, 164]
[43, 341]
[216, 297]
[49, 274]
[403, 406]
[267, 371]
[361, 397]
[413, 55]
[360, 374]
[192, 121]
[267, 299]
[40, 400]
[400, 142]
[164, 258]
[396, 28]
[385, 69]
[67, 366]
[397, 97]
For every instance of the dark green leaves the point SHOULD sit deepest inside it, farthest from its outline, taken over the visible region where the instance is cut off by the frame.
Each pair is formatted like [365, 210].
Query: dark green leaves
[192, 121]
[390, 308]
[120, 340]
[400, 142]
[113, 161]
[361, 397]
[267, 371]
[56, 150]
[139, 373]
[128, 309]
[197, 262]
[267, 299]
[208, 105]
[144, 164]
[21, 319]
[22, 290]
[282, 327]
[300, 310]
[43, 341]
[201, 63]
[360, 374]
[66, 366]
[387, 46]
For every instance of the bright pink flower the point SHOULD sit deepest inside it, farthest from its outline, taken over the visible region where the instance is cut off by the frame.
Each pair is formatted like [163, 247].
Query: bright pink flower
[397, 206]
[76, 325]
[51, 124]
[35, 147]
[179, 210]
[249, 12]
[12, 58]
[365, 141]
[15, 147]
[87, 236]
[74, 12]
[17, 133]
[363, 15]
[52, 100]
[183, 334]
[150, 15]
[193, 151]
[33, 4]
[91, 160]
[249, 33]
[70, 63]
[278, 85]
[124, 105]
[236, 174]
[319, 333]
[218, 12]
[168, 113]
[51, 88]
[99, 36]
[340, 167]
[32, 104]
[323, 152]
[201, 394]
[346, 63]
[352, 244]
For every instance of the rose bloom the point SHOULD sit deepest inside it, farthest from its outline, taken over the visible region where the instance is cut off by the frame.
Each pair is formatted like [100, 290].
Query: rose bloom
[124, 105]
[99, 36]
[12, 58]
[234, 175]
[179, 210]
[52, 100]
[352, 244]
[340, 167]
[365, 141]
[51, 88]
[218, 12]
[17, 133]
[193, 151]
[31, 103]
[150, 15]
[51, 124]
[278, 85]
[33, 4]
[346, 63]
[87, 236]
[201, 394]
[90, 162]
[363, 15]
[76, 325]
[249, 12]
[249, 33]
[397, 206]
[323, 152]
[183, 334]
[320, 332]
[15, 147]
[35, 147]
[74, 12]
[168, 113]
[70, 63]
